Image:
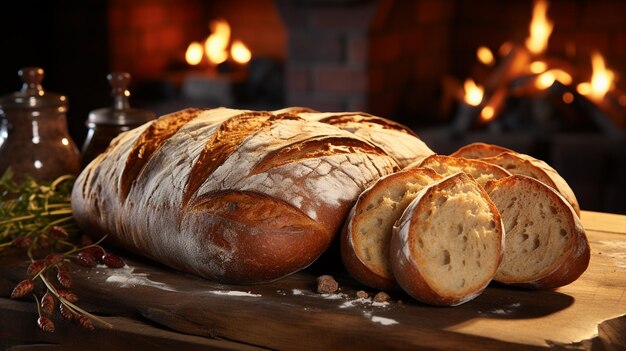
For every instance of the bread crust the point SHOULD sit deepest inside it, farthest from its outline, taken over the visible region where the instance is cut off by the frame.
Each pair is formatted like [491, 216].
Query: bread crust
[574, 261]
[406, 266]
[538, 169]
[481, 171]
[396, 139]
[356, 265]
[273, 212]
[479, 150]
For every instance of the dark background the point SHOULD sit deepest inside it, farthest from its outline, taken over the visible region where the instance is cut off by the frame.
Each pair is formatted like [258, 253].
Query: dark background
[68, 39]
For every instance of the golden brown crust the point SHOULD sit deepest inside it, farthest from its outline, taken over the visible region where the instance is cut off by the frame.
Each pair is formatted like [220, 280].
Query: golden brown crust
[522, 164]
[149, 142]
[482, 169]
[315, 147]
[479, 150]
[344, 119]
[221, 145]
[281, 238]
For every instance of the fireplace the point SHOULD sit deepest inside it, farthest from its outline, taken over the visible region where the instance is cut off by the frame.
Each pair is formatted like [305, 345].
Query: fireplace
[403, 59]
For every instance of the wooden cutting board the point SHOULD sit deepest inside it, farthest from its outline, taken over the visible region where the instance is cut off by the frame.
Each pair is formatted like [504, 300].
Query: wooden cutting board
[151, 304]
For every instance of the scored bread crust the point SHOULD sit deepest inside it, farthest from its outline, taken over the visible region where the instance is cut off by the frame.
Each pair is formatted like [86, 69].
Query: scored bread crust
[231, 195]
[523, 164]
[566, 264]
[481, 171]
[479, 150]
[365, 247]
[413, 270]
[396, 139]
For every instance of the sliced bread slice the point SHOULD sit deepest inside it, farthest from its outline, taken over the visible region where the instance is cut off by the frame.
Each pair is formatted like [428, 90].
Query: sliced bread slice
[522, 164]
[479, 150]
[546, 245]
[446, 247]
[482, 171]
[367, 232]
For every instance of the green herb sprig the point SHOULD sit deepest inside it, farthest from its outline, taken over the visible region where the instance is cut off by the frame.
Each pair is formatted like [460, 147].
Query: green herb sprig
[32, 207]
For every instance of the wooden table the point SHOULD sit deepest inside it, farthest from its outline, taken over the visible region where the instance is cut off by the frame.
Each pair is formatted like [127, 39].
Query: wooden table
[153, 307]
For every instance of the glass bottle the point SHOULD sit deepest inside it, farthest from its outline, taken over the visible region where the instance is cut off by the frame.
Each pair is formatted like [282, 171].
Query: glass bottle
[104, 124]
[34, 138]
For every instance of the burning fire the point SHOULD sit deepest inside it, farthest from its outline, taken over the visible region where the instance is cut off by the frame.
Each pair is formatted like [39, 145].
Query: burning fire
[473, 93]
[547, 78]
[216, 47]
[601, 79]
[527, 70]
[540, 28]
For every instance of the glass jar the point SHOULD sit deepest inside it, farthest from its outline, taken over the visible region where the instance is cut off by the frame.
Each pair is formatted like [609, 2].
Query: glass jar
[34, 139]
[104, 124]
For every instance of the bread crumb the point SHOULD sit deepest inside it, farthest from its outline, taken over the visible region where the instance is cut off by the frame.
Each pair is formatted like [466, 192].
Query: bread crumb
[326, 284]
[382, 297]
[362, 294]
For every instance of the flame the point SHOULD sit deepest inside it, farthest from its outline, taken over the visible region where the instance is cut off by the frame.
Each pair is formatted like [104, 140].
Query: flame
[540, 28]
[537, 67]
[194, 53]
[240, 52]
[546, 79]
[216, 47]
[473, 93]
[216, 44]
[485, 56]
[487, 113]
[601, 79]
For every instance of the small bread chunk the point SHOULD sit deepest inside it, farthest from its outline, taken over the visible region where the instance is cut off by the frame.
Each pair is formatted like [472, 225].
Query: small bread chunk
[381, 296]
[517, 163]
[483, 172]
[546, 245]
[367, 231]
[446, 247]
[479, 150]
[326, 284]
[361, 294]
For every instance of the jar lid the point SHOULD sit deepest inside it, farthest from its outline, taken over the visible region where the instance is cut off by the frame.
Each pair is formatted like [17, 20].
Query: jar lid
[32, 95]
[120, 114]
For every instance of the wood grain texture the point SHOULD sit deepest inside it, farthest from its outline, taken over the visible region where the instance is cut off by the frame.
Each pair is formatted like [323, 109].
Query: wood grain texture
[288, 314]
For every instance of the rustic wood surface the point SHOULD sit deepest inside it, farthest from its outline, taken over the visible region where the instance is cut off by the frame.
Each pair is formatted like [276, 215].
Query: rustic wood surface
[156, 307]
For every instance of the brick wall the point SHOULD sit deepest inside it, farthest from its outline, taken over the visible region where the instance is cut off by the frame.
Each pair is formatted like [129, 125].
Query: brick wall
[367, 55]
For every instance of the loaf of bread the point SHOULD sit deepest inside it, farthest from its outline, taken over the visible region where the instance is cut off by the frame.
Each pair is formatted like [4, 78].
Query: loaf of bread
[448, 244]
[396, 139]
[546, 246]
[366, 235]
[518, 163]
[481, 171]
[230, 195]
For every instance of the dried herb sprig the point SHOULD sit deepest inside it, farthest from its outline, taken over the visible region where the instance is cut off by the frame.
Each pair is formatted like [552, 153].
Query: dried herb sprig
[58, 290]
